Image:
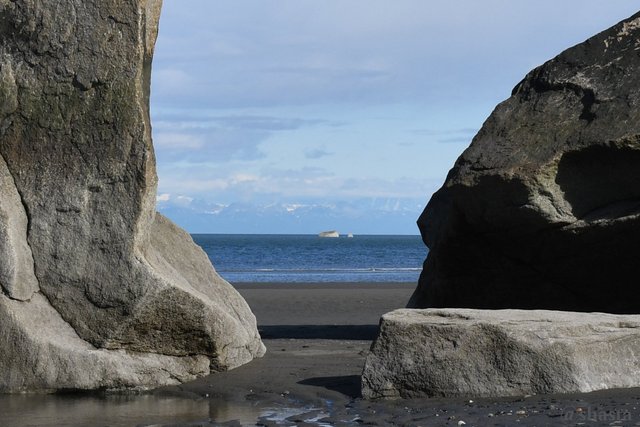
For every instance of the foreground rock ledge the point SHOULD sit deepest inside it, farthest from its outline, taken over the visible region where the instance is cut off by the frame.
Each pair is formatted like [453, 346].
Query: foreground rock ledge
[97, 291]
[486, 353]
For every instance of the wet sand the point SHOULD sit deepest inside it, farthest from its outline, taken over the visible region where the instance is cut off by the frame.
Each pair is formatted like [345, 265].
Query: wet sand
[317, 336]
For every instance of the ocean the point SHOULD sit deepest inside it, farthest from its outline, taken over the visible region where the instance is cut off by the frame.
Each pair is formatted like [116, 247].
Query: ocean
[309, 258]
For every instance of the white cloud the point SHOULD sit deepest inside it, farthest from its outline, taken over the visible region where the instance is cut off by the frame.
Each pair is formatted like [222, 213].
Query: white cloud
[241, 53]
[198, 137]
[243, 178]
[294, 207]
[235, 83]
[183, 200]
[177, 141]
[225, 185]
[164, 197]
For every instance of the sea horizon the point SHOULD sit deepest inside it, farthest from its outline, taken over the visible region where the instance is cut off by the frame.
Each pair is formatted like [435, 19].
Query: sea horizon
[308, 258]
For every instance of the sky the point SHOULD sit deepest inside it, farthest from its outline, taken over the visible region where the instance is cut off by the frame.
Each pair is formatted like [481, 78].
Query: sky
[299, 116]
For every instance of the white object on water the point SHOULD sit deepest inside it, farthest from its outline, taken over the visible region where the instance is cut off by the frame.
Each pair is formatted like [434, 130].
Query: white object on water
[350, 235]
[331, 233]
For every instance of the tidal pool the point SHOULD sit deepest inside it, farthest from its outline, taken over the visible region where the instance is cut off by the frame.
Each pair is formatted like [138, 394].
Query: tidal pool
[143, 411]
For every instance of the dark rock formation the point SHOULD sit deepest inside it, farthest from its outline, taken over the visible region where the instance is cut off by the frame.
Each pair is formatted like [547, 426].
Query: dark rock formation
[120, 297]
[543, 209]
[467, 352]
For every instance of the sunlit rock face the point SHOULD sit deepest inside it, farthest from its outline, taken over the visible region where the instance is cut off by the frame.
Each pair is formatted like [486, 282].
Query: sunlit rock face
[98, 291]
[543, 209]
[490, 353]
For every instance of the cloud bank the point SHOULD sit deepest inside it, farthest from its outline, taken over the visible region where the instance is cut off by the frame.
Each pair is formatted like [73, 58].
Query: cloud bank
[321, 103]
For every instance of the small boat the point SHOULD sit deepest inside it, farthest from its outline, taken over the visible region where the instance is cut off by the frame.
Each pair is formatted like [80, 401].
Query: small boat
[350, 235]
[331, 233]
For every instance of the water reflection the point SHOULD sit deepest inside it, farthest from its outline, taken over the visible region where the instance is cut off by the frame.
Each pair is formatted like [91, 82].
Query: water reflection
[245, 412]
[250, 413]
[114, 411]
[127, 411]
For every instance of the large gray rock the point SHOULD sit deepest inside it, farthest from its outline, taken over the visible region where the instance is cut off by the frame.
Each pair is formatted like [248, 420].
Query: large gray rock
[98, 289]
[466, 352]
[543, 209]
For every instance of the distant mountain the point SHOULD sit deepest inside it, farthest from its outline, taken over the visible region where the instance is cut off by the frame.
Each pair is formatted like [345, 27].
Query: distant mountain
[360, 216]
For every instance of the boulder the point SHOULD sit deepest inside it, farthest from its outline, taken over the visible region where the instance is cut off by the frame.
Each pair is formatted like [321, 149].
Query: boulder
[98, 291]
[542, 211]
[489, 353]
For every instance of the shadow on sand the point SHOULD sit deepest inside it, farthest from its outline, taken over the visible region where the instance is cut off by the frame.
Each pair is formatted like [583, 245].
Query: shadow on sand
[327, 332]
[348, 385]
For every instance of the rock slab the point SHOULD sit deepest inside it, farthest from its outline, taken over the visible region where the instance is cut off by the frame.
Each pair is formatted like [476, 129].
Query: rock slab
[490, 353]
[98, 291]
[542, 211]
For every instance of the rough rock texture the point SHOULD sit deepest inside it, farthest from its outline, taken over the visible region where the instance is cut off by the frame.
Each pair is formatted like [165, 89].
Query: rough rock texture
[17, 276]
[467, 352]
[118, 294]
[543, 209]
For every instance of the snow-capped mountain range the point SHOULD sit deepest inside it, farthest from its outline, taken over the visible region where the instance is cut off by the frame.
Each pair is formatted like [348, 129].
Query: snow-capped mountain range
[363, 216]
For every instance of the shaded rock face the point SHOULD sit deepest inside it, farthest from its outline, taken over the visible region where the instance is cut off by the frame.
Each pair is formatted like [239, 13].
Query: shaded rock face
[543, 209]
[490, 353]
[79, 237]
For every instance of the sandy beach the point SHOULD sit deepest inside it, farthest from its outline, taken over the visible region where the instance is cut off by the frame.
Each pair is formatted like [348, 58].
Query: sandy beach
[317, 336]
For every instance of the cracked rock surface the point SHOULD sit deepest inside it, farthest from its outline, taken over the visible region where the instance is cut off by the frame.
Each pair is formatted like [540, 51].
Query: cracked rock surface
[543, 209]
[98, 290]
[489, 353]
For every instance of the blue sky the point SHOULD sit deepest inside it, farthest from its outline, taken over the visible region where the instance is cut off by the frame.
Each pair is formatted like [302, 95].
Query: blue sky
[294, 116]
